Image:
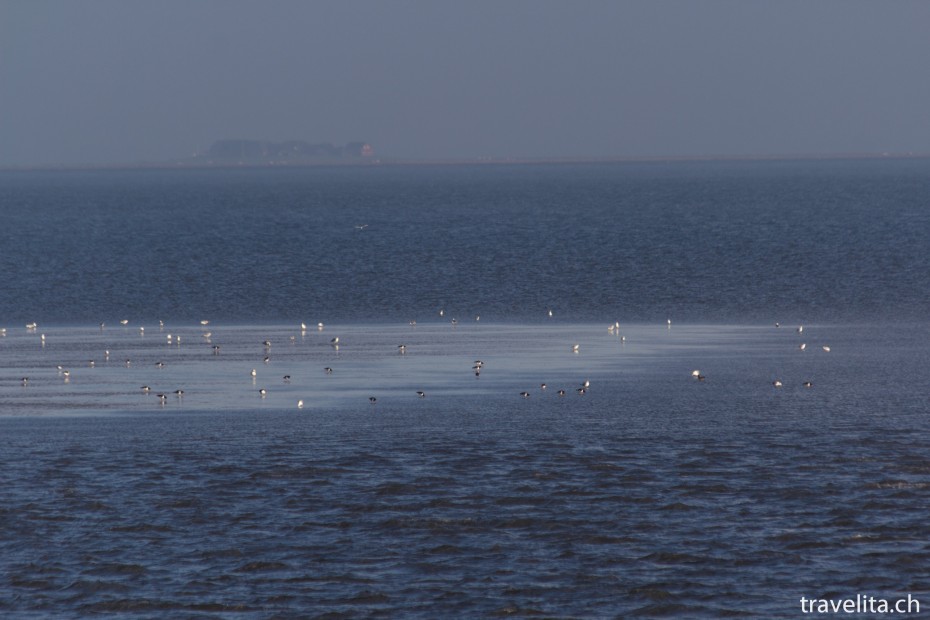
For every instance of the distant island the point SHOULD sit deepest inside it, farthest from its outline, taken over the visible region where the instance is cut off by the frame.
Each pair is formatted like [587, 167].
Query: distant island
[292, 152]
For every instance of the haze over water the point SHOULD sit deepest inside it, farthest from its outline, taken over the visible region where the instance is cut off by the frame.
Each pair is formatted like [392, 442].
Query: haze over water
[651, 494]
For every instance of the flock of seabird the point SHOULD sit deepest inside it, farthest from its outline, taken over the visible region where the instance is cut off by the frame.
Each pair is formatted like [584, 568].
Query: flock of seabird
[477, 367]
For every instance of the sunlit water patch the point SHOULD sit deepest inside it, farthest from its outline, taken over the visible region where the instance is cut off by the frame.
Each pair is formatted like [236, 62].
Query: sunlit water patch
[57, 370]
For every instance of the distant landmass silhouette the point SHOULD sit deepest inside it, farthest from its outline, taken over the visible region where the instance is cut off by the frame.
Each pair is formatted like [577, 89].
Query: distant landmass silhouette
[261, 152]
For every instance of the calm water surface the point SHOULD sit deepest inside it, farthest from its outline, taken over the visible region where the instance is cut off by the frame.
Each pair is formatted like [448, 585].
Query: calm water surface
[719, 242]
[653, 494]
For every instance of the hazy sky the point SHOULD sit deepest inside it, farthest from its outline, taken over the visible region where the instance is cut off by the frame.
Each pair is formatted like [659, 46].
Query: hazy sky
[137, 80]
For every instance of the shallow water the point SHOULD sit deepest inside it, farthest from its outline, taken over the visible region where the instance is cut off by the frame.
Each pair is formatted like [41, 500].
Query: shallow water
[653, 494]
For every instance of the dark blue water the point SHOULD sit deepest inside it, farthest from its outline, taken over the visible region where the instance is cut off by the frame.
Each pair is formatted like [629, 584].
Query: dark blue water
[728, 242]
[652, 494]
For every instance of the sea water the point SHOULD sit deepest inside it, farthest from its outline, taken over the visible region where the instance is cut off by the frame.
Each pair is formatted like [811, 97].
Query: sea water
[650, 493]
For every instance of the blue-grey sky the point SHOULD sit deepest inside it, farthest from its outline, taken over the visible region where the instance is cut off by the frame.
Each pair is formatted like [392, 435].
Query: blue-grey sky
[133, 80]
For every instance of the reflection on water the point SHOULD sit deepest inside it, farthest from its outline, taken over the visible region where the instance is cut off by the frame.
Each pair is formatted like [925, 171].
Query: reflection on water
[223, 368]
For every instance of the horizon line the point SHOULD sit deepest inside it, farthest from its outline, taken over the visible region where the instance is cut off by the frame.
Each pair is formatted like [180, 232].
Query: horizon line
[465, 161]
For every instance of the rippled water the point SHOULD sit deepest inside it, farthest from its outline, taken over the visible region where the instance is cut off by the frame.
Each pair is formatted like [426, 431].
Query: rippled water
[720, 242]
[652, 494]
